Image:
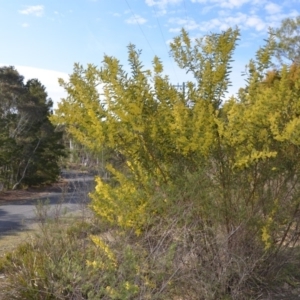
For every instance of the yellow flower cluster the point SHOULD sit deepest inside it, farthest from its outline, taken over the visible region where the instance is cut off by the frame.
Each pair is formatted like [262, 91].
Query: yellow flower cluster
[110, 262]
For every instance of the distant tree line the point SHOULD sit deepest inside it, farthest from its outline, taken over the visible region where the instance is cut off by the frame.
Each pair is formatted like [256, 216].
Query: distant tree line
[30, 147]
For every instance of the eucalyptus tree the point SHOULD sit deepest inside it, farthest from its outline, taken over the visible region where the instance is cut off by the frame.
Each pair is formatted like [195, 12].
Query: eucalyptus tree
[288, 41]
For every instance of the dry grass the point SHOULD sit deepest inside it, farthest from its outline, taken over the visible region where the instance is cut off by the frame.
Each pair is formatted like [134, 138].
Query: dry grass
[10, 242]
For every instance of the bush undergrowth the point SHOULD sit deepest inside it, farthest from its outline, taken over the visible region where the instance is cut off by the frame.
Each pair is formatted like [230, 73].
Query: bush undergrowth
[183, 255]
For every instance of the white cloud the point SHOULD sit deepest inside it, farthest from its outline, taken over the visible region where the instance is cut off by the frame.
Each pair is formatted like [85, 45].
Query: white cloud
[188, 24]
[213, 24]
[224, 3]
[272, 8]
[233, 3]
[36, 10]
[25, 25]
[275, 19]
[256, 22]
[241, 20]
[223, 13]
[162, 4]
[175, 29]
[136, 19]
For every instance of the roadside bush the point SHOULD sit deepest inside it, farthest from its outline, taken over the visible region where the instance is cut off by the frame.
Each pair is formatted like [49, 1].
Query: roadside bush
[86, 261]
[180, 254]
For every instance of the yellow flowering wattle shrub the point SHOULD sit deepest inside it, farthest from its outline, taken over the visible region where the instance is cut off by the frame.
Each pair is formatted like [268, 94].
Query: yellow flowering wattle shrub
[246, 146]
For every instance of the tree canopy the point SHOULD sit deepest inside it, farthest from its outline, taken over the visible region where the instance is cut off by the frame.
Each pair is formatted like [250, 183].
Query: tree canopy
[30, 147]
[288, 41]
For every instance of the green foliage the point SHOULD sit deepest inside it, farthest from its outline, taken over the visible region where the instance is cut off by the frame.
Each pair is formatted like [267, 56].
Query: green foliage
[30, 147]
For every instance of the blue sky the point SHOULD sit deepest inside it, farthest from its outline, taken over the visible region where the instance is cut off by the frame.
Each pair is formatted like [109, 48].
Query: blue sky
[44, 38]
